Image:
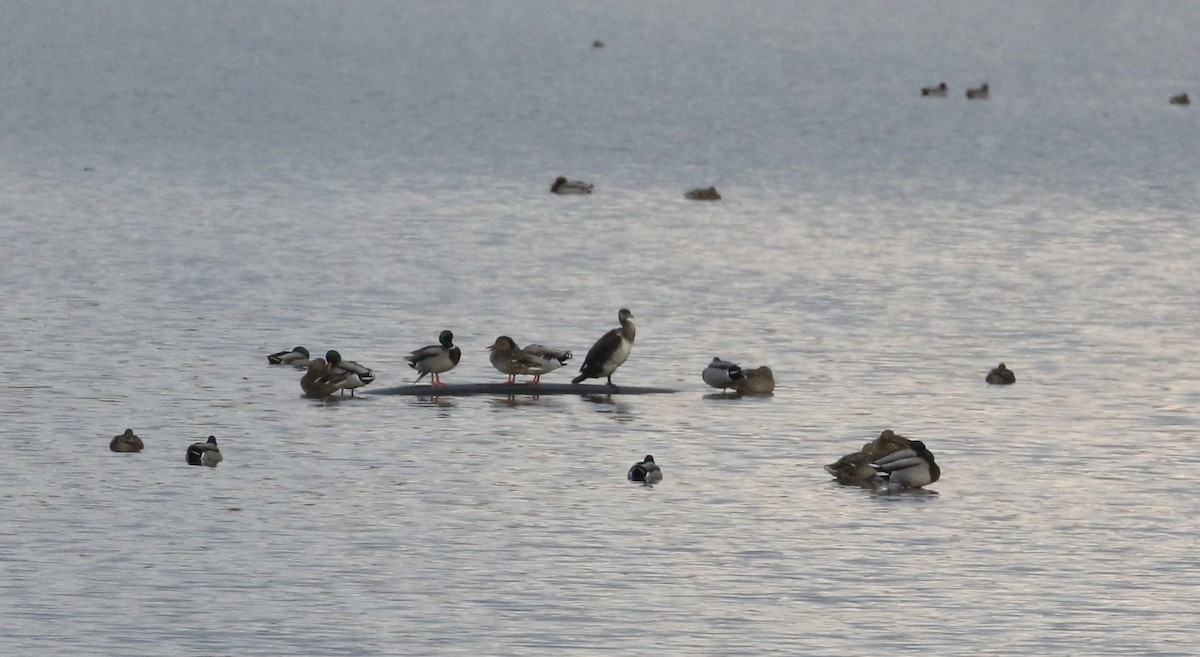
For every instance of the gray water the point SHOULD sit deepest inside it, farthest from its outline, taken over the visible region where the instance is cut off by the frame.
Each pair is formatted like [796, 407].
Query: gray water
[186, 187]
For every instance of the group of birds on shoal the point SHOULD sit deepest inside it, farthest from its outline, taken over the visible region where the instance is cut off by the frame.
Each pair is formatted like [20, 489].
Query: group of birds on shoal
[983, 93]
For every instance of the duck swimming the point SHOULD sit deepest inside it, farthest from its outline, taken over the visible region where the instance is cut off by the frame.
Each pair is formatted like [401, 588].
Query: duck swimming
[721, 374]
[646, 471]
[937, 92]
[855, 467]
[978, 93]
[1001, 375]
[206, 453]
[610, 351]
[297, 356]
[435, 359]
[126, 442]
[563, 186]
[702, 194]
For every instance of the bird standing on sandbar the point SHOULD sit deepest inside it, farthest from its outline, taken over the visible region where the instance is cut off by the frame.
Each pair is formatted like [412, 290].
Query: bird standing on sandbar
[609, 351]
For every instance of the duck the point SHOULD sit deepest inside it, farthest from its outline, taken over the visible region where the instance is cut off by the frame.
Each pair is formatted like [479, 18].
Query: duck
[206, 453]
[316, 382]
[700, 194]
[646, 471]
[1001, 375]
[597, 43]
[609, 351]
[909, 468]
[348, 373]
[435, 359]
[978, 93]
[855, 467]
[757, 381]
[936, 92]
[510, 359]
[549, 359]
[563, 186]
[297, 356]
[1181, 99]
[126, 442]
[721, 374]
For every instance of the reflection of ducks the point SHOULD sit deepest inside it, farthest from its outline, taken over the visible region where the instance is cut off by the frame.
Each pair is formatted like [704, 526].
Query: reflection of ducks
[758, 381]
[347, 373]
[1001, 375]
[549, 359]
[206, 453]
[510, 359]
[978, 93]
[936, 92]
[909, 468]
[126, 442]
[435, 359]
[609, 351]
[721, 374]
[855, 467]
[298, 356]
[646, 471]
[316, 382]
[1181, 99]
[699, 194]
[563, 186]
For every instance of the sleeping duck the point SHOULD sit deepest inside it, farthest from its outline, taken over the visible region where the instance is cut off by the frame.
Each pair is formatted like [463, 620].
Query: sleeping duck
[758, 381]
[563, 186]
[978, 93]
[1181, 99]
[646, 471]
[909, 468]
[435, 359]
[609, 351]
[510, 359]
[298, 357]
[348, 373]
[548, 358]
[206, 453]
[702, 194]
[855, 467]
[721, 373]
[1001, 375]
[936, 92]
[126, 442]
[316, 382]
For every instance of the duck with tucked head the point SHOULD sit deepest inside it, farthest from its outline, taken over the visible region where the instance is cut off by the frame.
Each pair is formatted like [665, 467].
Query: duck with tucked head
[1181, 99]
[721, 374]
[701, 194]
[645, 471]
[909, 468]
[316, 382]
[563, 186]
[1001, 375]
[510, 359]
[435, 359]
[548, 358]
[855, 467]
[126, 442]
[757, 381]
[206, 453]
[298, 357]
[609, 351]
[348, 373]
[978, 93]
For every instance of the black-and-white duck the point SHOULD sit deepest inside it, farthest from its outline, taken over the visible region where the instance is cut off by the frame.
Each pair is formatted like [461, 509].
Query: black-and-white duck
[349, 374]
[563, 186]
[549, 359]
[721, 374]
[646, 471]
[913, 467]
[206, 453]
[855, 467]
[126, 442]
[297, 356]
[435, 359]
[1001, 375]
[609, 351]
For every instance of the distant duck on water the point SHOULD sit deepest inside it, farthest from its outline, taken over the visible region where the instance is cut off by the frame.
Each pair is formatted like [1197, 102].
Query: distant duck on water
[435, 359]
[297, 356]
[347, 373]
[126, 442]
[1001, 375]
[610, 351]
[206, 453]
[563, 186]
[978, 93]
[936, 92]
[645, 471]
[1181, 99]
[703, 194]
[721, 374]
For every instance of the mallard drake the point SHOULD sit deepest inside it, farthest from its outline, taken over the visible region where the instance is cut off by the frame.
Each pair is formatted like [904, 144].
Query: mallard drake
[721, 374]
[206, 453]
[298, 356]
[126, 442]
[316, 382]
[978, 93]
[510, 359]
[609, 351]
[855, 467]
[758, 381]
[937, 92]
[646, 471]
[348, 373]
[548, 358]
[563, 186]
[1001, 375]
[435, 359]
[1181, 99]
[908, 468]
[699, 194]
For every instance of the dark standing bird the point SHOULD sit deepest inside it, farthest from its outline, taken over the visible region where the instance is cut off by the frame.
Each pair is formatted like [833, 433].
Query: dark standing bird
[436, 358]
[206, 453]
[1001, 375]
[646, 471]
[609, 351]
[126, 442]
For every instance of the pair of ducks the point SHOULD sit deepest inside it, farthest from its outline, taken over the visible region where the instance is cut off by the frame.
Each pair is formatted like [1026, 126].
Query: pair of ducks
[978, 93]
[606, 355]
[891, 460]
[332, 373]
[563, 186]
[724, 374]
[205, 453]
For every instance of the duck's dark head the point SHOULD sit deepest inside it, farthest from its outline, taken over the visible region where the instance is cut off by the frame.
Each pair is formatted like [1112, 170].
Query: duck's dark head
[301, 350]
[917, 446]
[624, 314]
[648, 459]
[446, 338]
[332, 357]
[212, 440]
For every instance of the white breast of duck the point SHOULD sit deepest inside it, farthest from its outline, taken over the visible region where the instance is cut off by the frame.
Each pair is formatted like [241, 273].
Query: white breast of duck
[721, 373]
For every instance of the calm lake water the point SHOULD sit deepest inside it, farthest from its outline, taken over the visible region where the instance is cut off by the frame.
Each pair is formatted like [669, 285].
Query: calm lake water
[186, 187]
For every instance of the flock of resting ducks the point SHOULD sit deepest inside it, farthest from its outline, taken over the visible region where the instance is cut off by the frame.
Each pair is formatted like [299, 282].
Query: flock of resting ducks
[982, 93]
